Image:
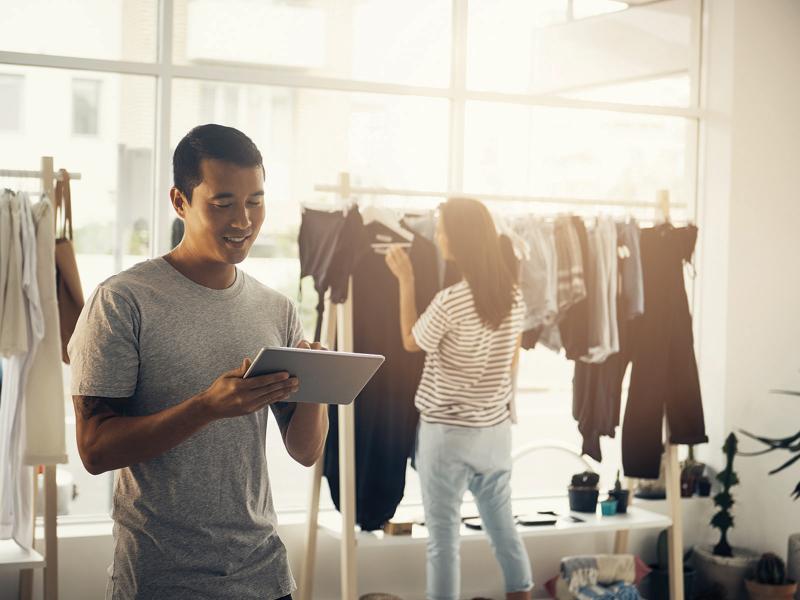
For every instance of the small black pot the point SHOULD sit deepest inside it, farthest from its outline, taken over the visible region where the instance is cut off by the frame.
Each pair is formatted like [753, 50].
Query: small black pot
[621, 496]
[583, 499]
[704, 487]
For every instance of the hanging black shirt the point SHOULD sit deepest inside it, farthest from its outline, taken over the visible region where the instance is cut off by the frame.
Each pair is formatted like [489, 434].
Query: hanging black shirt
[385, 416]
[664, 376]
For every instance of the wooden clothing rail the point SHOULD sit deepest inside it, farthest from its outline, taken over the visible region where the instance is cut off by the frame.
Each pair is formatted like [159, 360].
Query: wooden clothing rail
[341, 330]
[33, 560]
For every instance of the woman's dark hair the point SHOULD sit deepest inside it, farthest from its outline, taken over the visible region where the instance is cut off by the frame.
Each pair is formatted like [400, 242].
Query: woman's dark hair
[211, 142]
[486, 259]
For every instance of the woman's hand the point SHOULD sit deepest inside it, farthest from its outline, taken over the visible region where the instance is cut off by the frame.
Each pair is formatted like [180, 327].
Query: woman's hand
[400, 265]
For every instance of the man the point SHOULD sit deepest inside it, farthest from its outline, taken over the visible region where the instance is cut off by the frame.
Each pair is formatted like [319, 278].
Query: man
[193, 513]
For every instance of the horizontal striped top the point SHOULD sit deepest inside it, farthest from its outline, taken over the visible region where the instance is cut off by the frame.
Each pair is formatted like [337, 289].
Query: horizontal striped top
[467, 375]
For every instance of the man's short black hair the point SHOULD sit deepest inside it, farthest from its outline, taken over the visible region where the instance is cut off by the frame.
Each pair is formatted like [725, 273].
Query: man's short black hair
[210, 141]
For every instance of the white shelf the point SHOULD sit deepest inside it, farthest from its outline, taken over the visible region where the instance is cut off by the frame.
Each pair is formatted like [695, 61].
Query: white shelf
[636, 518]
[14, 556]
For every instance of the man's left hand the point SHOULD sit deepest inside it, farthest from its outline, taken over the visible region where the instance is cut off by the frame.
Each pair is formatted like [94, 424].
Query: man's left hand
[306, 345]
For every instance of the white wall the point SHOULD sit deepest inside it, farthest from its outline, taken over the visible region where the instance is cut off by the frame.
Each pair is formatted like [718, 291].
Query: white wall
[751, 334]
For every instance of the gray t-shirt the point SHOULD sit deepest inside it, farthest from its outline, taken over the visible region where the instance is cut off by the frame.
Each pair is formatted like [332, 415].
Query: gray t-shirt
[198, 521]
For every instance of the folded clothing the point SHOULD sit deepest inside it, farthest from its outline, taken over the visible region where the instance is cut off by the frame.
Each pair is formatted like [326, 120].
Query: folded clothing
[598, 577]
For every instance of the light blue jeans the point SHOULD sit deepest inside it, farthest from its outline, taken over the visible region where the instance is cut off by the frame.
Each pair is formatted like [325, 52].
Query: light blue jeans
[450, 460]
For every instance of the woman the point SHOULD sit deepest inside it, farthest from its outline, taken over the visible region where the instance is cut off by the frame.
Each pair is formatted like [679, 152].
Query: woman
[470, 336]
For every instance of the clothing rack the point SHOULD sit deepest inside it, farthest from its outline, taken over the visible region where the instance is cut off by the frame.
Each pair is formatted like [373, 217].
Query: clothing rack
[33, 560]
[57, 176]
[341, 329]
[344, 191]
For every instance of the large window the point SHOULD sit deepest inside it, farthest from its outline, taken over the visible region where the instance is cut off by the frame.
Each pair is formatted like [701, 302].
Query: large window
[562, 101]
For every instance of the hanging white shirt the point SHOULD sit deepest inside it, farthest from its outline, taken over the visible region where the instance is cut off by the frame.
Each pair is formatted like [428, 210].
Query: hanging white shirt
[44, 396]
[16, 479]
[5, 246]
[13, 338]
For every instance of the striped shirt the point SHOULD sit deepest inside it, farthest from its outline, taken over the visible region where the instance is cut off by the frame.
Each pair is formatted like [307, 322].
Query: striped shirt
[467, 375]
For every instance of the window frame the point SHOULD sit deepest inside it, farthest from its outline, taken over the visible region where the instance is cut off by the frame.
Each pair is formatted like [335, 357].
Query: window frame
[165, 71]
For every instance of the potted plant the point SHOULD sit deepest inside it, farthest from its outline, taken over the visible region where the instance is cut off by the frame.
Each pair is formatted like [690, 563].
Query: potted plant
[770, 582]
[691, 472]
[723, 565]
[583, 492]
[790, 444]
[620, 495]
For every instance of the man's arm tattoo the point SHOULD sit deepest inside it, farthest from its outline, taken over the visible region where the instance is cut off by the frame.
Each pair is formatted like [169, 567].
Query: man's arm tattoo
[283, 412]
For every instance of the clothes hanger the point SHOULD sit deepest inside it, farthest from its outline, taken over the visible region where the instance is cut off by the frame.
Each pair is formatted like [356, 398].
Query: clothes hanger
[387, 218]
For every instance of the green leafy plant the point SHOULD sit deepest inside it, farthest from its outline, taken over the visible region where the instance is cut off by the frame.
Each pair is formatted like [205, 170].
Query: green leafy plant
[723, 520]
[790, 444]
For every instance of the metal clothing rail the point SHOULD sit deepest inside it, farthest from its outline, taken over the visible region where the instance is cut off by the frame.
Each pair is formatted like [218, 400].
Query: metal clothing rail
[36, 174]
[345, 190]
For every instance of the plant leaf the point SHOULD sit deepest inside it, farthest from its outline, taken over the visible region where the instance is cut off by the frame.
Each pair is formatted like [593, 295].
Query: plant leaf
[723, 500]
[722, 520]
[785, 442]
[764, 440]
[788, 463]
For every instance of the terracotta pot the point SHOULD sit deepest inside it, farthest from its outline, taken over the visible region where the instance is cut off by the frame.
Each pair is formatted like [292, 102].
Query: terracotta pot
[763, 591]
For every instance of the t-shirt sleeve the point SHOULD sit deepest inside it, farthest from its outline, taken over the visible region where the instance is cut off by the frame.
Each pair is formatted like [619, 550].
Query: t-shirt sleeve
[104, 349]
[283, 411]
[294, 327]
[431, 327]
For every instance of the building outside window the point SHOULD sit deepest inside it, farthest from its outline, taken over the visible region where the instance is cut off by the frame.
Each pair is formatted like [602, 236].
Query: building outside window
[85, 107]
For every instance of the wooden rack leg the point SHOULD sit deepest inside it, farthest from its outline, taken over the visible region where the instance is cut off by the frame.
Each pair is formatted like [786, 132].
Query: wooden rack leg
[307, 577]
[306, 590]
[347, 461]
[50, 533]
[675, 532]
[621, 541]
[25, 591]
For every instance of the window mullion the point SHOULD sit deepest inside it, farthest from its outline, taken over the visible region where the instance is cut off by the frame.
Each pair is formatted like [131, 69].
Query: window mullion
[458, 78]
[163, 179]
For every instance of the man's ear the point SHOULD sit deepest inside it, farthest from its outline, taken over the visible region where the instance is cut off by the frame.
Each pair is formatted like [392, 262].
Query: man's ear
[179, 202]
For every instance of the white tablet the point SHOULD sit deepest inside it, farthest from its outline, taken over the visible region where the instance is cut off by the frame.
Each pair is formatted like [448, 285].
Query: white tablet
[326, 377]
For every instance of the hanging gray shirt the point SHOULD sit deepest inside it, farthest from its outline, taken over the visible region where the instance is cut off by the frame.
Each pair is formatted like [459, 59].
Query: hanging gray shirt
[198, 521]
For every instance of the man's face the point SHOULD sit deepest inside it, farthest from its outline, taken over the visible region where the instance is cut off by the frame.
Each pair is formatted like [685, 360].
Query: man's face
[226, 212]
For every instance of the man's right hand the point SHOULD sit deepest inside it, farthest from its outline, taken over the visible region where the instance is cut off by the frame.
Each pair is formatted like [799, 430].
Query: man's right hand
[232, 396]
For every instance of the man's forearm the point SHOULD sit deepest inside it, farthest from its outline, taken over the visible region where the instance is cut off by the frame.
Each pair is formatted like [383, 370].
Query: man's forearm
[118, 441]
[305, 437]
